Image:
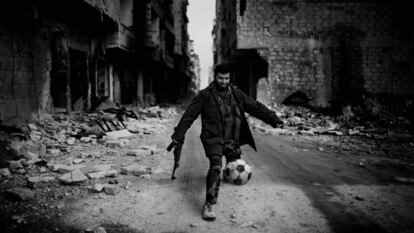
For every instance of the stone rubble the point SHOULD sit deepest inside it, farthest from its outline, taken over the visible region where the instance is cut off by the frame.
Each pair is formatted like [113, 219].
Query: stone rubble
[69, 155]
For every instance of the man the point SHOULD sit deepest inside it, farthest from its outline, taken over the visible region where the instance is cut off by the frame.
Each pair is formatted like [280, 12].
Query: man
[224, 127]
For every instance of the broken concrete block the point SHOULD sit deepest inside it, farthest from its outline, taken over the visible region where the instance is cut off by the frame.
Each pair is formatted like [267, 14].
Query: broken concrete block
[98, 188]
[73, 177]
[35, 136]
[116, 143]
[39, 181]
[15, 165]
[31, 156]
[71, 141]
[306, 132]
[62, 168]
[20, 194]
[118, 134]
[4, 172]
[78, 161]
[135, 169]
[102, 174]
[32, 127]
[97, 168]
[95, 230]
[85, 139]
[146, 176]
[30, 162]
[407, 180]
[139, 152]
[128, 185]
[111, 189]
[53, 152]
[42, 169]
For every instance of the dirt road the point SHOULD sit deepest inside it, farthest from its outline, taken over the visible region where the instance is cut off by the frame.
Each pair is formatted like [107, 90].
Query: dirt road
[295, 188]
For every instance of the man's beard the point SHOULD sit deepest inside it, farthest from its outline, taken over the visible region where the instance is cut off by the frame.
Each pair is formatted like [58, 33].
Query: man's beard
[220, 88]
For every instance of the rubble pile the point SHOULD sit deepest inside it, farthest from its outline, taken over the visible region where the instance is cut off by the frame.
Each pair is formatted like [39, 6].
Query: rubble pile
[65, 155]
[368, 120]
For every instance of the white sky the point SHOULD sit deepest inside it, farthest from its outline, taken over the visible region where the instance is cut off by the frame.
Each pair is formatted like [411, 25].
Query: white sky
[201, 14]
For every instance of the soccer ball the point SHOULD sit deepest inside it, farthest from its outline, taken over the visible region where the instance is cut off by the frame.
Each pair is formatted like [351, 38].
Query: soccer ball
[237, 172]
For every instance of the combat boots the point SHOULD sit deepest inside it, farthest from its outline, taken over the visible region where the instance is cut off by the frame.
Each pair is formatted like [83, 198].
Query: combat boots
[208, 212]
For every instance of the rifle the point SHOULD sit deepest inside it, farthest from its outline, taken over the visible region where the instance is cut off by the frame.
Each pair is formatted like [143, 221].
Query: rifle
[177, 155]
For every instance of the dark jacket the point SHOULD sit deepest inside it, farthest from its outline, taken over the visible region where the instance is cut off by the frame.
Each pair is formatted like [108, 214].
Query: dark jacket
[206, 104]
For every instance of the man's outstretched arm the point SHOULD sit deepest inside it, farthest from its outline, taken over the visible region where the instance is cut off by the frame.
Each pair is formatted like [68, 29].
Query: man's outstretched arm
[260, 111]
[189, 116]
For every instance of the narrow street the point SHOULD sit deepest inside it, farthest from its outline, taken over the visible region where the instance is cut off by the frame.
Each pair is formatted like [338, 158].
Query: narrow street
[292, 190]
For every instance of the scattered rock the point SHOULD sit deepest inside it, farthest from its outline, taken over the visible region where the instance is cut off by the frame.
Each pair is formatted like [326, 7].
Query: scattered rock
[98, 188]
[78, 161]
[62, 168]
[85, 139]
[102, 174]
[42, 169]
[60, 205]
[359, 198]
[128, 185]
[116, 143]
[139, 152]
[39, 181]
[5, 172]
[18, 219]
[111, 189]
[306, 132]
[406, 180]
[32, 127]
[194, 225]
[135, 169]
[71, 141]
[97, 168]
[73, 177]
[20, 194]
[31, 156]
[95, 230]
[15, 165]
[53, 152]
[119, 134]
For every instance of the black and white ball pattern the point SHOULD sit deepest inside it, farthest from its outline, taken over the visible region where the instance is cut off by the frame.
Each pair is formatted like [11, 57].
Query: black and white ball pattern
[237, 172]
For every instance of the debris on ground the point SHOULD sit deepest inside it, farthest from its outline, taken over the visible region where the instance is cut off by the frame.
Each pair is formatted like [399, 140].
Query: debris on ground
[64, 156]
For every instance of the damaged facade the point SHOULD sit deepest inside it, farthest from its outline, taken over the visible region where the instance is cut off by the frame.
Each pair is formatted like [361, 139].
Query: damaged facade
[71, 55]
[331, 50]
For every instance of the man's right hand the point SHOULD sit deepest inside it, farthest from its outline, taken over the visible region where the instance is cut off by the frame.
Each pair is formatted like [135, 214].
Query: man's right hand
[172, 145]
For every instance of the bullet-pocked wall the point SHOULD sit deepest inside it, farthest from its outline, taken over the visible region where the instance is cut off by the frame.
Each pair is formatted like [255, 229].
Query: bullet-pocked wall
[330, 49]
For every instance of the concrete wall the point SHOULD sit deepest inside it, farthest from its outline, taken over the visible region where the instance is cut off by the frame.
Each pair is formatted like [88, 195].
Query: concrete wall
[330, 48]
[25, 64]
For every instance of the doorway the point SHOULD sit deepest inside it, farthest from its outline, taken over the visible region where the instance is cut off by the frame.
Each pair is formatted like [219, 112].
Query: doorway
[78, 79]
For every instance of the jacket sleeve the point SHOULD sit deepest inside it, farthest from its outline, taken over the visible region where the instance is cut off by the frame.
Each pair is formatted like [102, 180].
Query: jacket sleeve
[260, 111]
[189, 116]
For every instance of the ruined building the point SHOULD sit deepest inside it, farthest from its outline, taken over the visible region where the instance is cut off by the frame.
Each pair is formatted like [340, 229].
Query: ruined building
[196, 69]
[71, 54]
[333, 51]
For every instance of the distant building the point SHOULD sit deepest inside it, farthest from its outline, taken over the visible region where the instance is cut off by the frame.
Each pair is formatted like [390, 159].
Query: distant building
[332, 51]
[69, 55]
[195, 70]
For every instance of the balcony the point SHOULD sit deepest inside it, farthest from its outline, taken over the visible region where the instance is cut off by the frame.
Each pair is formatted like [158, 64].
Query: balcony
[122, 39]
